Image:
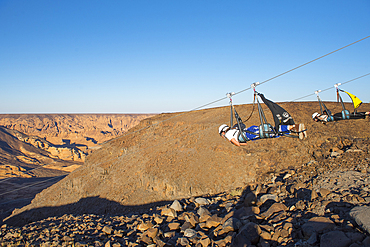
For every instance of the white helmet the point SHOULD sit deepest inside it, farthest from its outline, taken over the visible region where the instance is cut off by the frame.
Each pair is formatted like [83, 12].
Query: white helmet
[316, 114]
[222, 128]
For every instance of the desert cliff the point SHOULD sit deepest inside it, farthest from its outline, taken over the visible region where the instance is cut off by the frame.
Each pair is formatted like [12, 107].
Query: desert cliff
[82, 130]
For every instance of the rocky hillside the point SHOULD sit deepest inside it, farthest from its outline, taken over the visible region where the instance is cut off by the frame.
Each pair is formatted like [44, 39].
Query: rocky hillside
[316, 204]
[167, 157]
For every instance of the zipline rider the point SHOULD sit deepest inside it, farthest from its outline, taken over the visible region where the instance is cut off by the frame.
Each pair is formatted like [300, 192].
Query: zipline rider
[234, 136]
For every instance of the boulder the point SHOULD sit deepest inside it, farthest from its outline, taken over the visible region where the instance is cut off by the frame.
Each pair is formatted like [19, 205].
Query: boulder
[334, 238]
[361, 215]
[317, 224]
[176, 206]
[276, 207]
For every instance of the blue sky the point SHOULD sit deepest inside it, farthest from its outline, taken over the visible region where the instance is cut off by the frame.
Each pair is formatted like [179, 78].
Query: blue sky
[169, 56]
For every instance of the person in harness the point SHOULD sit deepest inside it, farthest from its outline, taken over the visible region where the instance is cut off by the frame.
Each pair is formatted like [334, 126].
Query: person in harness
[324, 118]
[234, 136]
[326, 115]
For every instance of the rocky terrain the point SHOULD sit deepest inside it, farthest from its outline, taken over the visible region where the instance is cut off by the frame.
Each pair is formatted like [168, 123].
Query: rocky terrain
[50, 147]
[304, 206]
[281, 191]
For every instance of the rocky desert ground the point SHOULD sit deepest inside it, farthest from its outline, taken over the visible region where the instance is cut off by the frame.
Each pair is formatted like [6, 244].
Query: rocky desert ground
[172, 181]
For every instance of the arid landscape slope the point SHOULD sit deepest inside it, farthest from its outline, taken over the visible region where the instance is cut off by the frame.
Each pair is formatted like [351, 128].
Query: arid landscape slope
[38, 150]
[181, 155]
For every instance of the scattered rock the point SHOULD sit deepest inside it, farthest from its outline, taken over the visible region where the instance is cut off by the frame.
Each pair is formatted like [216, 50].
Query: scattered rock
[276, 207]
[266, 197]
[317, 224]
[176, 206]
[107, 229]
[201, 201]
[334, 238]
[361, 215]
[288, 212]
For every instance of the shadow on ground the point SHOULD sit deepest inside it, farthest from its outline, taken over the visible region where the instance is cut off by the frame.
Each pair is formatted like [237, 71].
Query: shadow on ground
[19, 192]
[96, 205]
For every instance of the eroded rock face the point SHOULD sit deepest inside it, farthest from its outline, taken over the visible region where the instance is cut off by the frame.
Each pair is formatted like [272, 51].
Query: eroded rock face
[65, 129]
[67, 136]
[68, 152]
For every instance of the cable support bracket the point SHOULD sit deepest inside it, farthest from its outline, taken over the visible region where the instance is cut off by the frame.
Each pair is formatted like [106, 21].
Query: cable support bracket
[254, 85]
[338, 84]
[317, 92]
[229, 95]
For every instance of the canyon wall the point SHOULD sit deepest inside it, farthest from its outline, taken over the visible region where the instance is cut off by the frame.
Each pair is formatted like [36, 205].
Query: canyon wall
[78, 130]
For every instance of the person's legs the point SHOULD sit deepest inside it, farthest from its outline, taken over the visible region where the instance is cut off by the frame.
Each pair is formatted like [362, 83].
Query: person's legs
[252, 129]
[300, 129]
[358, 115]
[285, 128]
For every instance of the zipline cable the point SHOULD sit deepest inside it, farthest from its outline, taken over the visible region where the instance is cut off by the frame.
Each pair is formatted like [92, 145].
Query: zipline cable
[305, 63]
[330, 87]
[218, 100]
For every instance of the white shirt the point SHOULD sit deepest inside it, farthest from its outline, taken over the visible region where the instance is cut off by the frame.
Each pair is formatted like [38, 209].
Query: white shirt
[323, 118]
[233, 133]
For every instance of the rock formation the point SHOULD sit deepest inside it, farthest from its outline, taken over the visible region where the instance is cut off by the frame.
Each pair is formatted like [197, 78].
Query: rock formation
[66, 129]
[64, 152]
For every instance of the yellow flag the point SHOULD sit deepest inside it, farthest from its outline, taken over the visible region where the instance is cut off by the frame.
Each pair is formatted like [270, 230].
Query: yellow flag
[356, 101]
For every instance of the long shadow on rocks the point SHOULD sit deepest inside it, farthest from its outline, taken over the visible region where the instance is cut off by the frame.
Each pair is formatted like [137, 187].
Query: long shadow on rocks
[89, 205]
[261, 218]
[282, 212]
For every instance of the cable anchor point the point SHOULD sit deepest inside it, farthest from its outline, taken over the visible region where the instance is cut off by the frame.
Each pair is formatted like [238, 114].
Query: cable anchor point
[317, 92]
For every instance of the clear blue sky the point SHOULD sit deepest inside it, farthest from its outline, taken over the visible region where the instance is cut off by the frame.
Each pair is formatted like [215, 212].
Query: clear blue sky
[169, 56]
